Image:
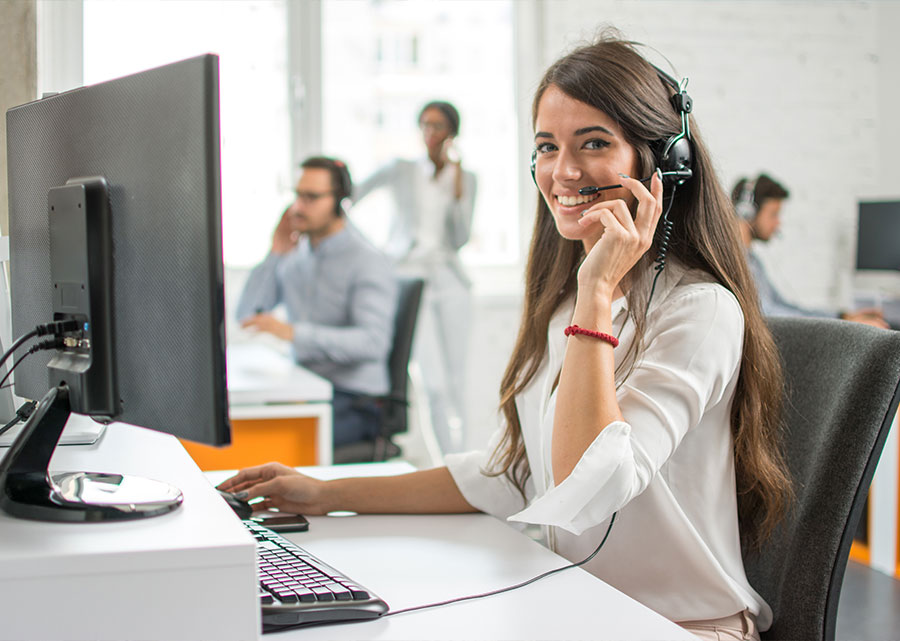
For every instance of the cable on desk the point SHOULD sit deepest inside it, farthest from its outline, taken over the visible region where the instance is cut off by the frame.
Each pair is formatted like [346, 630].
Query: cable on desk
[22, 414]
[511, 587]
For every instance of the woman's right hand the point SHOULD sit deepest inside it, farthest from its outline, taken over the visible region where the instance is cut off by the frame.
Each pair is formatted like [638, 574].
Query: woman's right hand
[450, 156]
[623, 239]
[281, 487]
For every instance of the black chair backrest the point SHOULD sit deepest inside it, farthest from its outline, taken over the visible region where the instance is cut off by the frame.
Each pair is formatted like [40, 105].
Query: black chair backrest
[394, 419]
[841, 397]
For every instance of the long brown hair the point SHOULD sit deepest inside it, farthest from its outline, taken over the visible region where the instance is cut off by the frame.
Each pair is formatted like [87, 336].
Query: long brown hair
[613, 77]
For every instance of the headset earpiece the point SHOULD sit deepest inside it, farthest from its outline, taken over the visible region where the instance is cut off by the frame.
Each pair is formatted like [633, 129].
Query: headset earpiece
[344, 186]
[674, 160]
[674, 155]
[746, 206]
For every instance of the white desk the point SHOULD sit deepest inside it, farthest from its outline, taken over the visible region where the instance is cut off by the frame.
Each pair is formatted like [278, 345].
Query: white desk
[184, 576]
[190, 575]
[411, 560]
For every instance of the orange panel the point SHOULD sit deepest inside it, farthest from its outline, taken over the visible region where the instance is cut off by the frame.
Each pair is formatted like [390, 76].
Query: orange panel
[291, 441]
[859, 552]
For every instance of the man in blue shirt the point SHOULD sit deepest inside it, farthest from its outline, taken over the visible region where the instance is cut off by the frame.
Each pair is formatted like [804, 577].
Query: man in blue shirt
[758, 203]
[340, 294]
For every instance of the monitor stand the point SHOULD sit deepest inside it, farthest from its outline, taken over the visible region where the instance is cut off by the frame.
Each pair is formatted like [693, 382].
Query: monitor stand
[29, 491]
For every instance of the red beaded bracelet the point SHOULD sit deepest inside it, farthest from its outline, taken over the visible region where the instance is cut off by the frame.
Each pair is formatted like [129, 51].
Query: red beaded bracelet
[575, 329]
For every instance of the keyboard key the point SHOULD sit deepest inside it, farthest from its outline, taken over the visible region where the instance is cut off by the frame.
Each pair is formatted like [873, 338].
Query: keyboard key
[358, 593]
[340, 592]
[307, 597]
[287, 597]
[323, 594]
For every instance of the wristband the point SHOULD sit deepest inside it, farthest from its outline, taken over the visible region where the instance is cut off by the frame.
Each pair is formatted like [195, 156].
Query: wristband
[575, 329]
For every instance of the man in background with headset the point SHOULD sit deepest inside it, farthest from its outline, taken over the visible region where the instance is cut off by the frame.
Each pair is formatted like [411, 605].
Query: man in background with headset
[340, 294]
[758, 203]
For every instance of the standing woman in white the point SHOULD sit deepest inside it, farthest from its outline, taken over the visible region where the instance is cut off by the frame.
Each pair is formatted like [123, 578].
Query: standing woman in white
[434, 198]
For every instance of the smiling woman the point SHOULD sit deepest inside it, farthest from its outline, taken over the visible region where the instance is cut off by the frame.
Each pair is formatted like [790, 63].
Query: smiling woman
[676, 428]
[675, 413]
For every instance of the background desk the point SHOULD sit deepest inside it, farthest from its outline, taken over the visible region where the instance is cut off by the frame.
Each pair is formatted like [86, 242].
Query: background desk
[279, 411]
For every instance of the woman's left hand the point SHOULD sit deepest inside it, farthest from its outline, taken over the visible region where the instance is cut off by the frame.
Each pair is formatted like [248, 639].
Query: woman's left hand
[622, 240]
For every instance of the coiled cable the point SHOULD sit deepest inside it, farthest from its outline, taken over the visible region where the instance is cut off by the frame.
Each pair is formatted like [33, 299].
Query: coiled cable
[665, 237]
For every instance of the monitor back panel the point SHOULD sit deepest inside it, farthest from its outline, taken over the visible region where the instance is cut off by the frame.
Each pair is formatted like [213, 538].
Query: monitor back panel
[154, 136]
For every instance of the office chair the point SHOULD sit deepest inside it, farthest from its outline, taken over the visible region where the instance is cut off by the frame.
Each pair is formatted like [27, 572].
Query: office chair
[395, 404]
[841, 396]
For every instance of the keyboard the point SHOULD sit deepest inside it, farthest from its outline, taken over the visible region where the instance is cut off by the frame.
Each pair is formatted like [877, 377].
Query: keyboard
[297, 588]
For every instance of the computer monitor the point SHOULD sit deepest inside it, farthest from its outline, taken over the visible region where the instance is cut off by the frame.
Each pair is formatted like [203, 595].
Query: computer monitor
[115, 230]
[878, 237]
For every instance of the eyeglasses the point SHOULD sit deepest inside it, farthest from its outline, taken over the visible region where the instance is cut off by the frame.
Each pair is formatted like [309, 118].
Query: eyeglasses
[308, 197]
[437, 127]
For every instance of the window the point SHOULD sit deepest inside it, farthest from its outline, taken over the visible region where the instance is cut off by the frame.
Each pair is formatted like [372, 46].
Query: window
[250, 38]
[346, 78]
[383, 59]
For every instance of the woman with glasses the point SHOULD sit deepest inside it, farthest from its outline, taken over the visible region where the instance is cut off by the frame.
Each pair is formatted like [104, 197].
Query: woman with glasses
[434, 198]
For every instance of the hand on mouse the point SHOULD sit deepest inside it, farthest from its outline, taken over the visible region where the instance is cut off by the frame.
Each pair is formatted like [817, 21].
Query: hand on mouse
[238, 503]
[282, 487]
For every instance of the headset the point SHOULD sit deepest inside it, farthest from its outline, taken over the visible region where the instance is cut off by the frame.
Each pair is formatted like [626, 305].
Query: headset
[344, 185]
[746, 206]
[674, 159]
[673, 155]
[341, 182]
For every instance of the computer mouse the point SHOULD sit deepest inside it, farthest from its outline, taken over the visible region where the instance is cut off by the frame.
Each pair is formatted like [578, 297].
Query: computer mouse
[240, 507]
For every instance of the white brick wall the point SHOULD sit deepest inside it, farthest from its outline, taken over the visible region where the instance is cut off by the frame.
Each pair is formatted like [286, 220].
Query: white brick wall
[791, 88]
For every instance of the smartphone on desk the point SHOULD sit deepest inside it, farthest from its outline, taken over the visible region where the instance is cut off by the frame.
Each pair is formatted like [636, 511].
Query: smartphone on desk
[281, 521]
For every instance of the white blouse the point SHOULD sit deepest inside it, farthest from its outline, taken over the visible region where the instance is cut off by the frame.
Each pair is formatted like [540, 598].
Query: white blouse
[667, 469]
[429, 224]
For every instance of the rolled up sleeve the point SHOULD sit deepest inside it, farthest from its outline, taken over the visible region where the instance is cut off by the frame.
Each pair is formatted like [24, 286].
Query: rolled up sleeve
[494, 495]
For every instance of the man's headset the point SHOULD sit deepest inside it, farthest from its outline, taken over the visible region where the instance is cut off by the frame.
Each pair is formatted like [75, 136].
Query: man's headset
[341, 183]
[344, 186]
[673, 155]
[746, 206]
